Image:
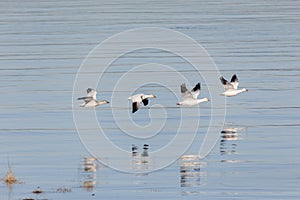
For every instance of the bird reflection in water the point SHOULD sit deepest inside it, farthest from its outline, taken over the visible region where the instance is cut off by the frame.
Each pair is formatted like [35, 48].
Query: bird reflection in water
[140, 161]
[134, 150]
[89, 173]
[228, 143]
[190, 174]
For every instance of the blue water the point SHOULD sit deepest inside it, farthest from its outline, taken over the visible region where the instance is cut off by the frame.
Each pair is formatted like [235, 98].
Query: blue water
[43, 45]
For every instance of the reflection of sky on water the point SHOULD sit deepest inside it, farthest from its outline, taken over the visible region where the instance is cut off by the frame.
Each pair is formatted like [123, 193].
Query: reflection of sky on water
[43, 44]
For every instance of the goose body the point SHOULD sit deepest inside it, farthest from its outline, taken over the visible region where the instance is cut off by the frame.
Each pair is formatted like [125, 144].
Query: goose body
[90, 99]
[138, 99]
[189, 98]
[231, 88]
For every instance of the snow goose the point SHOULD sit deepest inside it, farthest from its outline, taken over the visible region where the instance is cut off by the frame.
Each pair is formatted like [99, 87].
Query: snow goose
[189, 98]
[90, 99]
[138, 99]
[231, 88]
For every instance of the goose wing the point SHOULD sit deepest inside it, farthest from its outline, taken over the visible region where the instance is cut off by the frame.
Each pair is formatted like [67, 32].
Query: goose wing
[91, 93]
[135, 106]
[226, 84]
[196, 91]
[185, 94]
[86, 99]
[145, 101]
[136, 98]
[234, 81]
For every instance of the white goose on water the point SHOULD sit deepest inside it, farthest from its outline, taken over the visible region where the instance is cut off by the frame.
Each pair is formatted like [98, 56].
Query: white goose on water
[138, 99]
[189, 98]
[231, 89]
[90, 99]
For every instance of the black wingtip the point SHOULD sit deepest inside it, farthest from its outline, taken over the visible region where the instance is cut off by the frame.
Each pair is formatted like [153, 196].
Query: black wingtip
[82, 98]
[145, 102]
[197, 87]
[133, 110]
[234, 78]
[134, 107]
[183, 88]
[223, 80]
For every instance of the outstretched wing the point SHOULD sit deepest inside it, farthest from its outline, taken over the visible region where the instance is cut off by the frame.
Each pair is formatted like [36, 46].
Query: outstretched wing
[136, 98]
[85, 99]
[185, 94]
[234, 78]
[196, 91]
[91, 93]
[226, 84]
[183, 88]
[135, 106]
[145, 102]
[223, 80]
[234, 81]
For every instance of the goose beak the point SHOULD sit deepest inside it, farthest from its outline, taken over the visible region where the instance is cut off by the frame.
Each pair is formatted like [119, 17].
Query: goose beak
[154, 96]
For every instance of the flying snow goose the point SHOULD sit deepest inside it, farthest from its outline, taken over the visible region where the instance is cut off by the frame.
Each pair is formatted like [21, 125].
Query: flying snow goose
[231, 88]
[90, 99]
[138, 99]
[189, 98]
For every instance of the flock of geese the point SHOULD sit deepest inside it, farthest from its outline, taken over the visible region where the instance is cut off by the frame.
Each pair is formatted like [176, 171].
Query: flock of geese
[188, 98]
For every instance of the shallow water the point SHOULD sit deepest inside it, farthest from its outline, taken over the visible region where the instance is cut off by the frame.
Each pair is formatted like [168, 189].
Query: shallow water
[43, 45]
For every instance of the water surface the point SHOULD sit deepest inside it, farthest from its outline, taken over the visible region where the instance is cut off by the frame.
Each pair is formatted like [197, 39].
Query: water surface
[43, 44]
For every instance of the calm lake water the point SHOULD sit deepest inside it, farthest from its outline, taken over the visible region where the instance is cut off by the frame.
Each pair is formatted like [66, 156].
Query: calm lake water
[43, 45]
